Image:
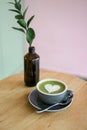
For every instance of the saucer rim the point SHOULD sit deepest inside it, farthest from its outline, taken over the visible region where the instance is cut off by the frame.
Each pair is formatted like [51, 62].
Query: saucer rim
[50, 110]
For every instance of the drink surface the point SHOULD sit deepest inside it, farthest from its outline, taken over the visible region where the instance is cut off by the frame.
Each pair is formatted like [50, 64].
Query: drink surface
[51, 87]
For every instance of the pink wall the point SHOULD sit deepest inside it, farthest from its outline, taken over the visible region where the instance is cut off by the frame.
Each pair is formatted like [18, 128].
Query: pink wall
[61, 34]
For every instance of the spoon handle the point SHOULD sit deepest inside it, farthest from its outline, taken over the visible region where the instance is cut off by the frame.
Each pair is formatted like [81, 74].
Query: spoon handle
[45, 109]
[64, 102]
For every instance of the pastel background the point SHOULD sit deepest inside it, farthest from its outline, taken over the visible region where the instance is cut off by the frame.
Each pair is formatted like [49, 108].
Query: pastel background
[11, 43]
[61, 36]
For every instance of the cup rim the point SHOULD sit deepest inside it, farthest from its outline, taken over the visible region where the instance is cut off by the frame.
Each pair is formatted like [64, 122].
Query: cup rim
[51, 79]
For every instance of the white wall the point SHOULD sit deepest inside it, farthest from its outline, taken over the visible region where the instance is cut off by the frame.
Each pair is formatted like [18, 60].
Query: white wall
[61, 34]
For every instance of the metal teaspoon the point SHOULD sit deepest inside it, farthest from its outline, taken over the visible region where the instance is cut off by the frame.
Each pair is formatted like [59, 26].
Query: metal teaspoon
[64, 102]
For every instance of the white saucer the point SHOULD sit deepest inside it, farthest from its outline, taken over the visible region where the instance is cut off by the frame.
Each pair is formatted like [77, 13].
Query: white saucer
[37, 103]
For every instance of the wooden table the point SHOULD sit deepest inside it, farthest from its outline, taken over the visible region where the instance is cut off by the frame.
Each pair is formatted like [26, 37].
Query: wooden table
[17, 114]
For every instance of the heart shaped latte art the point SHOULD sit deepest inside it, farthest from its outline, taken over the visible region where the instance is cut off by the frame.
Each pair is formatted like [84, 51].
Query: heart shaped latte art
[52, 88]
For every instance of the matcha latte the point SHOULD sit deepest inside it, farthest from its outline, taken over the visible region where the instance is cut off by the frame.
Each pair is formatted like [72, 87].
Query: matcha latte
[51, 87]
[51, 90]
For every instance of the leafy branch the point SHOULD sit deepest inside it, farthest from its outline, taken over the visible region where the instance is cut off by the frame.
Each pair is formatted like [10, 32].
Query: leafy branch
[25, 25]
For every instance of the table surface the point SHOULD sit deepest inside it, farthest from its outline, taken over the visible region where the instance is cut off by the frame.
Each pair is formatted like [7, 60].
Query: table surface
[16, 113]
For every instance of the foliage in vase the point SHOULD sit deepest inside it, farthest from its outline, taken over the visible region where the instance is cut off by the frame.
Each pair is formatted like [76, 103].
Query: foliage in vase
[24, 25]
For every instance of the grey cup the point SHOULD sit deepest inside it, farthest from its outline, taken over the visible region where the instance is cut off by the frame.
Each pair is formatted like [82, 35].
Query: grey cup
[52, 97]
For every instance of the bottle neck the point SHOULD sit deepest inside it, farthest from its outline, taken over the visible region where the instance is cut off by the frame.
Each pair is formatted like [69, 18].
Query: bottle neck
[31, 50]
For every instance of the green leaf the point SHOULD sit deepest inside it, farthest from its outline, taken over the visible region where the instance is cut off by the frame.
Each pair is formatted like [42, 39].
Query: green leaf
[18, 6]
[15, 1]
[29, 21]
[30, 35]
[19, 1]
[19, 17]
[29, 32]
[25, 12]
[11, 3]
[22, 23]
[14, 10]
[19, 29]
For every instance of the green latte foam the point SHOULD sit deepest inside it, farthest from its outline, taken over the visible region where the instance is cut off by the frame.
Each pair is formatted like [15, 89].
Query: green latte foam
[43, 89]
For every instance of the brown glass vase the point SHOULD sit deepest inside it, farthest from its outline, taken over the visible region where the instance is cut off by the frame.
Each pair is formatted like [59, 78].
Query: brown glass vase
[31, 67]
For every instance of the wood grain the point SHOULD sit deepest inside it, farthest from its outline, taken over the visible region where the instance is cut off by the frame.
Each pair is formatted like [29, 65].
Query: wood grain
[17, 114]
